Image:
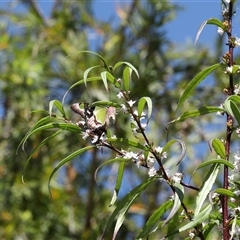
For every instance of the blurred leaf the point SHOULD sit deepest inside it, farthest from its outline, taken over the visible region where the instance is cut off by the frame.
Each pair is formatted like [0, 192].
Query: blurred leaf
[58, 105]
[195, 82]
[208, 182]
[141, 105]
[67, 159]
[152, 223]
[122, 207]
[118, 182]
[213, 161]
[225, 192]
[128, 64]
[127, 72]
[199, 112]
[178, 199]
[213, 21]
[218, 147]
[170, 143]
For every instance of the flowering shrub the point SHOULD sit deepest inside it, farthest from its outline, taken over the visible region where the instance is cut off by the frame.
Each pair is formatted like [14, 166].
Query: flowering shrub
[214, 207]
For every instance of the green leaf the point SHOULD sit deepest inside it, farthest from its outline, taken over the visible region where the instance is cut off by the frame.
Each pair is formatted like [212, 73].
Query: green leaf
[127, 78]
[118, 182]
[235, 111]
[91, 79]
[178, 198]
[37, 148]
[65, 126]
[218, 147]
[67, 159]
[128, 64]
[42, 121]
[213, 21]
[173, 141]
[227, 103]
[213, 161]
[141, 105]
[86, 72]
[128, 142]
[198, 219]
[104, 79]
[152, 223]
[225, 192]
[195, 82]
[105, 104]
[105, 65]
[206, 187]
[109, 162]
[199, 112]
[59, 107]
[122, 207]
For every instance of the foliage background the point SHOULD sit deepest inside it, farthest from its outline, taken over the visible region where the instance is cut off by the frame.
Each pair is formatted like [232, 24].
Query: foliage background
[35, 69]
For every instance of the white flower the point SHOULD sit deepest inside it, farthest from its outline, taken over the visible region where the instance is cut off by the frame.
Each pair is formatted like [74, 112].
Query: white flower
[237, 91]
[191, 235]
[177, 177]
[237, 193]
[158, 149]
[130, 103]
[120, 95]
[229, 69]
[152, 172]
[164, 154]
[124, 108]
[86, 134]
[227, 1]
[94, 139]
[238, 132]
[220, 113]
[220, 31]
[150, 161]
[237, 41]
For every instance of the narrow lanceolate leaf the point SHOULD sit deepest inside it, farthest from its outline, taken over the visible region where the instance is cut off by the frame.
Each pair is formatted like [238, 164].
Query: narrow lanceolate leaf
[41, 122]
[128, 64]
[128, 142]
[227, 103]
[199, 112]
[67, 159]
[37, 148]
[218, 147]
[173, 141]
[213, 21]
[105, 104]
[178, 198]
[86, 72]
[58, 105]
[153, 222]
[225, 192]
[118, 182]
[104, 79]
[105, 65]
[206, 187]
[141, 104]
[110, 161]
[198, 219]
[235, 111]
[127, 72]
[64, 126]
[122, 207]
[195, 82]
[213, 161]
[82, 81]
